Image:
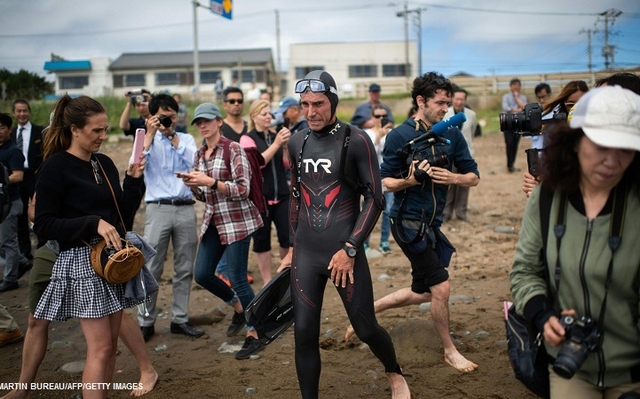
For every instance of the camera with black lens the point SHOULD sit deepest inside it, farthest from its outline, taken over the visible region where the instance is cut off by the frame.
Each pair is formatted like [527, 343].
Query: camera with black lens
[581, 338]
[527, 123]
[165, 120]
[439, 159]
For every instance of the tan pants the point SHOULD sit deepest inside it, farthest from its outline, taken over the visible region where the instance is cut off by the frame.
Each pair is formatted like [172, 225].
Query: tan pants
[580, 388]
[7, 324]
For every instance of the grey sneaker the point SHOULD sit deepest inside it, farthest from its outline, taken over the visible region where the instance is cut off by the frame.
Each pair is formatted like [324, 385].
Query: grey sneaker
[237, 323]
[251, 346]
[385, 248]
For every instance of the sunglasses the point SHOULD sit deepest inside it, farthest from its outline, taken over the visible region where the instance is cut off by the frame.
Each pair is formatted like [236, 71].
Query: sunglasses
[380, 116]
[233, 101]
[316, 86]
[96, 174]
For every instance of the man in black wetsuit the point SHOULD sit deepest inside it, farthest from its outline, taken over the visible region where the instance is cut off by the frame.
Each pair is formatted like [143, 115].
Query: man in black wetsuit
[328, 228]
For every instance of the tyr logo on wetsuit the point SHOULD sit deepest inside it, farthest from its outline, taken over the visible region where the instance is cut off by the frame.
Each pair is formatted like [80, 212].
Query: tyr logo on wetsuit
[321, 162]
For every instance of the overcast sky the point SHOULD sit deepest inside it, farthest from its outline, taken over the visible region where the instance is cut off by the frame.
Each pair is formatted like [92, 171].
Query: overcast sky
[478, 37]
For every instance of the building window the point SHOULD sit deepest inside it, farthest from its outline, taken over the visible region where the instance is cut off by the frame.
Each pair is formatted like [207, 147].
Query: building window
[248, 75]
[301, 72]
[73, 82]
[363, 71]
[118, 80]
[186, 78]
[167, 78]
[135, 79]
[209, 76]
[389, 70]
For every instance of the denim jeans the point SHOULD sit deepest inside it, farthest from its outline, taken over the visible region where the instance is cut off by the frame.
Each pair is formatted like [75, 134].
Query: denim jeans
[385, 226]
[222, 266]
[237, 254]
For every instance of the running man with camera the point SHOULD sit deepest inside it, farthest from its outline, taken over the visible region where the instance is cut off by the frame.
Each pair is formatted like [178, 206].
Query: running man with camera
[420, 194]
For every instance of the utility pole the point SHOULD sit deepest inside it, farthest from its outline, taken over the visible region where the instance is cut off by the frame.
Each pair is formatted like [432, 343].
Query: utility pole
[405, 15]
[279, 70]
[196, 59]
[418, 23]
[608, 51]
[278, 39]
[589, 32]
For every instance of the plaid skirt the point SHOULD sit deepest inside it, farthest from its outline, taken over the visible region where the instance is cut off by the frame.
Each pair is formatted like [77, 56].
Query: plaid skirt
[77, 291]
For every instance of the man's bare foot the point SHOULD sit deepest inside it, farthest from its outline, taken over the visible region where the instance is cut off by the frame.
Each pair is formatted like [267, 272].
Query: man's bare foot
[17, 394]
[399, 387]
[459, 362]
[146, 384]
[348, 333]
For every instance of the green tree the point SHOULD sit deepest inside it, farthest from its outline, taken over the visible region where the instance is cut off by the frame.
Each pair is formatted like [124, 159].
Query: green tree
[24, 85]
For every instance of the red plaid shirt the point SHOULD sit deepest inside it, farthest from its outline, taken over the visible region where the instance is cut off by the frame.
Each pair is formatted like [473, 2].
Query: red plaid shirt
[233, 214]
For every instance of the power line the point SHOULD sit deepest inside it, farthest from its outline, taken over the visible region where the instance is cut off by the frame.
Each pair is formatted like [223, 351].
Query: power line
[294, 11]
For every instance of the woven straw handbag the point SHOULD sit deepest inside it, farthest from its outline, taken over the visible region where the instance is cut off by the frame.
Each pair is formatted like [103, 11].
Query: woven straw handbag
[117, 267]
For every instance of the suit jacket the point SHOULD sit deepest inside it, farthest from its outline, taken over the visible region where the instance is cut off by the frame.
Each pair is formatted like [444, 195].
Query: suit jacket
[34, 157]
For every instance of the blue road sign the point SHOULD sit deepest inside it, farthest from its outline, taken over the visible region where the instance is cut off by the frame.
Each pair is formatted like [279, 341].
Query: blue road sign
[224, 8]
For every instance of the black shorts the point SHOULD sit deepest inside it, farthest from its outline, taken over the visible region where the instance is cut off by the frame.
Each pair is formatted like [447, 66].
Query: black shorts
[426, 268]
[279, 215]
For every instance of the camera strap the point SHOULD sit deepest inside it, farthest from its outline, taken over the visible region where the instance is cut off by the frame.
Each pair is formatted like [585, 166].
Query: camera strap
[616, 225]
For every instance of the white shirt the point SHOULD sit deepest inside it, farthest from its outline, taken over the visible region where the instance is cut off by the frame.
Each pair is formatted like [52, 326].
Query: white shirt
[26, 139]
[468, 127]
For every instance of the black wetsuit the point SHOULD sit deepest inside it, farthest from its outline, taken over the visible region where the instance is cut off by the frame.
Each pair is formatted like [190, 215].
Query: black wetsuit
[329, 215]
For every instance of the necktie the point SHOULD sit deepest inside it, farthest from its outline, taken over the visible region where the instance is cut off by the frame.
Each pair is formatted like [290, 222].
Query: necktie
[19, 139]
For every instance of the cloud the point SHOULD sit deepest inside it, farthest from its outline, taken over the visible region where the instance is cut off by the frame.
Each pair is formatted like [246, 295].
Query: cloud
[461, 35]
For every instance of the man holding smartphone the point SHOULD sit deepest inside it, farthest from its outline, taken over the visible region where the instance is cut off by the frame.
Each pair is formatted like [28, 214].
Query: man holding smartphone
[170, 212]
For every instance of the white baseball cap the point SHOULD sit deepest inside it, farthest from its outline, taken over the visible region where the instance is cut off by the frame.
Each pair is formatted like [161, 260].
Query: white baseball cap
[610, 117]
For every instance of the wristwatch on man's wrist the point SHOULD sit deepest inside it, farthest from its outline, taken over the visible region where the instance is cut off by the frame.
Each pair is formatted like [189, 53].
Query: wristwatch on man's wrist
[351, 251]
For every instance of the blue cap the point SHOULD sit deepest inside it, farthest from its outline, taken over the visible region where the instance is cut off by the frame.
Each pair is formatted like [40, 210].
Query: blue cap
[285, 104]
[374, 87]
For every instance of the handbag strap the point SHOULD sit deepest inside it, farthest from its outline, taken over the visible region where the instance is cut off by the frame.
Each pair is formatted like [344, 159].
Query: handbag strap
[113, 194]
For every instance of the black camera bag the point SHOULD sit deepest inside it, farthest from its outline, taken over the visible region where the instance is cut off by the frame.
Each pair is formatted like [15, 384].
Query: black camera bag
[528, 357]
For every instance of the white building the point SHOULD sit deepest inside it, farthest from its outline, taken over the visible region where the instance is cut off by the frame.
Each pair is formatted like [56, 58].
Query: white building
[89, 77]
[355, 66]
[162, 72]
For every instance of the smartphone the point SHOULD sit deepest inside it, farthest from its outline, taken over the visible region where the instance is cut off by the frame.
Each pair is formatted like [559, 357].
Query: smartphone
[533, 161]
[138, 146]
[286, 123]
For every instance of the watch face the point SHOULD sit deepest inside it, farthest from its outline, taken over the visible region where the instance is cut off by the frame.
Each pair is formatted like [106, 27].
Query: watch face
[351, 251]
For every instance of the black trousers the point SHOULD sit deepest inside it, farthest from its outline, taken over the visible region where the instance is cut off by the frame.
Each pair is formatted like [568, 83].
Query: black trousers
[511, 140]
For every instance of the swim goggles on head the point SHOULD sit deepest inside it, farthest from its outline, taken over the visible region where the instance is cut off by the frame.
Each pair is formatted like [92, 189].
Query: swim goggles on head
[316, 86]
